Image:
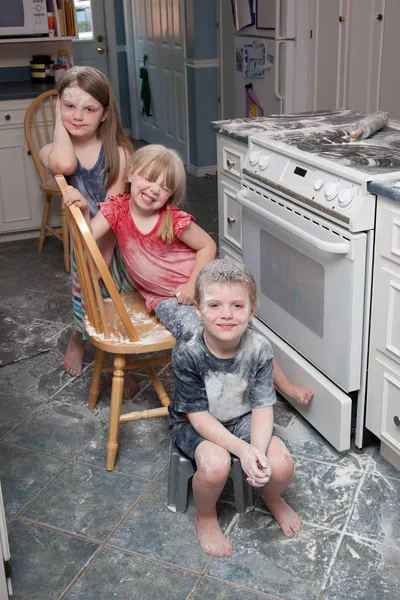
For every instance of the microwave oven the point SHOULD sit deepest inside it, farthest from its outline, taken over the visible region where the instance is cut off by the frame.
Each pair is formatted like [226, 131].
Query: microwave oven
[23, 18]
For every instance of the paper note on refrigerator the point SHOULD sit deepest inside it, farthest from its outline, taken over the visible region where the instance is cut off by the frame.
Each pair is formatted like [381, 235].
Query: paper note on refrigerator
[254, 59]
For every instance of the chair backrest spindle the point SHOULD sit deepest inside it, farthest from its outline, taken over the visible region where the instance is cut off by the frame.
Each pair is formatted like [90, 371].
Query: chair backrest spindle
[91, 264]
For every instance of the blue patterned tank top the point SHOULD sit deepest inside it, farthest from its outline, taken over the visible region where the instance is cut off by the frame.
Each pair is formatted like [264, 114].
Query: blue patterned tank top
[90, 183]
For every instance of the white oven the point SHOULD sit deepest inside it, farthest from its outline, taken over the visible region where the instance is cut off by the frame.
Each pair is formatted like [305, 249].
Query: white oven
[307, 236]
[310, 277]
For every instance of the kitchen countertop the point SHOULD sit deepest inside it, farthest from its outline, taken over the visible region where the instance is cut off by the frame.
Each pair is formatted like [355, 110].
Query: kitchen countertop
[242, 128]
[17, 90]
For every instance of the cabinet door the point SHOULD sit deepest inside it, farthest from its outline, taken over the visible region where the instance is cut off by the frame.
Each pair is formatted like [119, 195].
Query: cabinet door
[229, 213]
[390, 80]
[328, 51]
[346, 50]
[15, 187]
[21, 201]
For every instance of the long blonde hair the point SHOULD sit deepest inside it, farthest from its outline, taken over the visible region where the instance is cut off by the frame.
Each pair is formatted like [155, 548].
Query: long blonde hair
[153, 160]
[110, 132]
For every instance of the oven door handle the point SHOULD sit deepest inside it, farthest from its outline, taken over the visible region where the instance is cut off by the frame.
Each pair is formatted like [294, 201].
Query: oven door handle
[330, 247]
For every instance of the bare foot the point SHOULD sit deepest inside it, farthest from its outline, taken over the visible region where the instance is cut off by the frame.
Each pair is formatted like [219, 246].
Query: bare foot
[130, 386]
[74, 355]
[299, 393]
[287, 519]
[211, 538]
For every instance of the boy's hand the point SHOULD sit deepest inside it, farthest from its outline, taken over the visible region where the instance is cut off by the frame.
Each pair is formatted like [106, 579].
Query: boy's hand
[256, 466]
[73, 196]
[185, 293]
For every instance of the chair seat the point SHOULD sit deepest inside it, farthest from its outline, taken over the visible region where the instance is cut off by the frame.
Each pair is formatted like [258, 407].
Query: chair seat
[149, 330]
[50, 187]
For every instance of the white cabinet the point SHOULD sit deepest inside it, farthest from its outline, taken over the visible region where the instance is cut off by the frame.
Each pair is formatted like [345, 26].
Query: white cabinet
[230, 155]
[383, 397]
[354, 49]
[21, 201]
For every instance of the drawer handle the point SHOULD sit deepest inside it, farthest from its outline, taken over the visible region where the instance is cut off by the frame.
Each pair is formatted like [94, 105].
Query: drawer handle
[231, 220]
[230, 163]
[396, 421]
[7, 117]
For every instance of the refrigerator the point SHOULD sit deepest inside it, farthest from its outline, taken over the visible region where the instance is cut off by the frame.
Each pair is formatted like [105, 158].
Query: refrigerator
[281, 34]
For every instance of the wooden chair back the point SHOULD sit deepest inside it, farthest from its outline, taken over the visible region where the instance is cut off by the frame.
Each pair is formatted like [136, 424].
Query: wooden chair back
[39, 125]
[90, 263]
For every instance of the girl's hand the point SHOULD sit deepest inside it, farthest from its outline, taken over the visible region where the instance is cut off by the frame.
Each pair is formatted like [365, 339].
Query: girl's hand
[256, 466]
[185, 293]
[73, 196]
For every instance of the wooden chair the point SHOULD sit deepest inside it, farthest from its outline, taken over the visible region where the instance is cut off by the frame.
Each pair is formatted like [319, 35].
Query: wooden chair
[120, 325]
[39, 126]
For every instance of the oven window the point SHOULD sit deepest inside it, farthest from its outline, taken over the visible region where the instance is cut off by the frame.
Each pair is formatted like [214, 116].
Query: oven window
[293, 281]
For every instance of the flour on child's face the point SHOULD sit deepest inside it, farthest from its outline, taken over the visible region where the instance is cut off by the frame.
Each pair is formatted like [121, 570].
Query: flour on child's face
[81, 113]
[147, 197]
[225, 311]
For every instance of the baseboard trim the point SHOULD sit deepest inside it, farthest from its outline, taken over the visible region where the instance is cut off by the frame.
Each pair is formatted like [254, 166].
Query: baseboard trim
[202, 171]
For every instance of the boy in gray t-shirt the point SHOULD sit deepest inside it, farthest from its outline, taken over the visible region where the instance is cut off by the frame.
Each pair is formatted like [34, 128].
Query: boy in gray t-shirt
[223, 402]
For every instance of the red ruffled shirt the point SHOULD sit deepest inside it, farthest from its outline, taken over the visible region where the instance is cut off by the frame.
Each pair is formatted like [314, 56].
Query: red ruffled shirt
[157, 268]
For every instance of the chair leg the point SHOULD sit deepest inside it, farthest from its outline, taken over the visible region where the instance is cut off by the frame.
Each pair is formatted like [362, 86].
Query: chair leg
[242, 490]
[45, 219]
[180, 471]
[115, 411]
[97, 370]
[65, 238]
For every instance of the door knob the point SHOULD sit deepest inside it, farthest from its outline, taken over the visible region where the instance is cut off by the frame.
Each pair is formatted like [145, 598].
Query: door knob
[230, 163]
[231, 220]
[379, 17]
[100, 38]
[342, 19]
[100, 50]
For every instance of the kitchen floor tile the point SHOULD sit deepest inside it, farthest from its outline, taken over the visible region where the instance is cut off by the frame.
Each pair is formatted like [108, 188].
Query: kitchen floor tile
[86, 501]
[44, 561]
[116, 574]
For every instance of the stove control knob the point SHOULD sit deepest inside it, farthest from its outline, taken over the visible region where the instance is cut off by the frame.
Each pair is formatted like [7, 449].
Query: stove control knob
[318, 185]
[264, 161]
[346, 196]
[331, 190]
[253, 157]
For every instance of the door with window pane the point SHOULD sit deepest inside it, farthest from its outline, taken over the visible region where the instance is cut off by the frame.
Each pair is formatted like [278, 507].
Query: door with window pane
[91, 48]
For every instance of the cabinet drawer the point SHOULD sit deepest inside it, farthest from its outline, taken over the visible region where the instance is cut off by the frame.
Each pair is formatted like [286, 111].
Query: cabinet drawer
[225, 252]
[230, 214]
[16, 117]
[230, 157]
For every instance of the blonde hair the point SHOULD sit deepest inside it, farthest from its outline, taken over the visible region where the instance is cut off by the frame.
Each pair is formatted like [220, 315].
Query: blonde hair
[225, 271]
[95, 83]
[153, 160]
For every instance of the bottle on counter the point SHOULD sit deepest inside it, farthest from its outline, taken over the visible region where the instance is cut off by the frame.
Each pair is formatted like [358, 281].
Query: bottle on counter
[42, 68]
[63, 58]
[59, 71]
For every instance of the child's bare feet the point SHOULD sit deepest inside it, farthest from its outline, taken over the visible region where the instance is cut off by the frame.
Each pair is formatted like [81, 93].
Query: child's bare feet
[211, 538]
[287, 519]
[130, 386]
[299, 393]
[74, 355]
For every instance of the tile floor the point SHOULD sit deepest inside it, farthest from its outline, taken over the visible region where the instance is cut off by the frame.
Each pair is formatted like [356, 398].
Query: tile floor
[80, 533]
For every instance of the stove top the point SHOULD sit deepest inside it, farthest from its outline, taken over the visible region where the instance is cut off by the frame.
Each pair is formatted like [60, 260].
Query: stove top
[377, 155]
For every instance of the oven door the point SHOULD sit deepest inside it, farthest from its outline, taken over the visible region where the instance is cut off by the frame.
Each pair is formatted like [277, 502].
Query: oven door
[310, 280]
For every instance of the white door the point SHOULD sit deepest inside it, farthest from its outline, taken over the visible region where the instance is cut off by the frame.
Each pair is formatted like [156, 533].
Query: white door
[91, 48]
[5, 580]
[158, 27]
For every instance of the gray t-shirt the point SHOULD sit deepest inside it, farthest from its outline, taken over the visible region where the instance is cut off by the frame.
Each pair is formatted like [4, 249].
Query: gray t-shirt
[226, 388]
